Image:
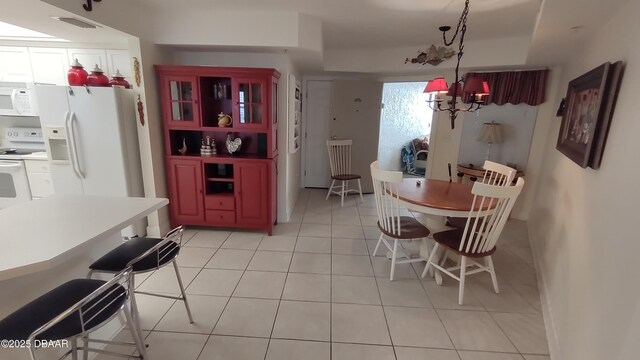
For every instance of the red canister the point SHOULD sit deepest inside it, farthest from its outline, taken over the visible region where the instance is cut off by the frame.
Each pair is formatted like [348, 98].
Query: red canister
[77, 75]
[118, 79]
[97, 78]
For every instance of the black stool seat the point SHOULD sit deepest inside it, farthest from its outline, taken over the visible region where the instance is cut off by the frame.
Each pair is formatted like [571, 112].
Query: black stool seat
[24, 321]
[117, 259]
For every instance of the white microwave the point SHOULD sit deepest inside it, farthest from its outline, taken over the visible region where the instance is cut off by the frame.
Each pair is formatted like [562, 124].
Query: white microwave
[18, 99]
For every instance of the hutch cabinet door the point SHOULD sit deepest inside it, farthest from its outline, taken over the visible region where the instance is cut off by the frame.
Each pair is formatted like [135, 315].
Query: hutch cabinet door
[251, 103]
[186, 191]
[252, 187]
[180, 101]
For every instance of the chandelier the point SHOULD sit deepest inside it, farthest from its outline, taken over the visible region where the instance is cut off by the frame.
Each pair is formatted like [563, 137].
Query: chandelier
[474, 87]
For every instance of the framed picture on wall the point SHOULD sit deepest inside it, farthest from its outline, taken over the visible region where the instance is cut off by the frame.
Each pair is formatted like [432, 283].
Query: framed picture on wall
[590, 102]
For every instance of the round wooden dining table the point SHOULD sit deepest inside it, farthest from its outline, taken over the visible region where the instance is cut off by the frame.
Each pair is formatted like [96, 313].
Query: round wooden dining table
[437, 199]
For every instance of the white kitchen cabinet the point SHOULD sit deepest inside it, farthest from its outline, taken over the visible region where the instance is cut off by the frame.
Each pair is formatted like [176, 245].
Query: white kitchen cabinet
[39, 175]
[89, 58]
[15, 64]
[119, 60]
[49, 65]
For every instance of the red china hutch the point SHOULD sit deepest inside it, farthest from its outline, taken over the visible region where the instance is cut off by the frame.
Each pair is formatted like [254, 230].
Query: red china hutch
[222, 190]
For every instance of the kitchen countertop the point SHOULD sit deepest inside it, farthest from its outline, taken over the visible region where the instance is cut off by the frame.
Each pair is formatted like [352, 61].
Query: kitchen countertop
[38, 235]
[42, 155]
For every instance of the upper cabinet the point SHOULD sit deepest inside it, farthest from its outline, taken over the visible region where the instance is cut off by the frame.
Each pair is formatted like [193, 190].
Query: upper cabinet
[49, 65]
[89, 58]
[251, 108]
[181, 106]
[119, 60]
[201, 104]
[14, 64]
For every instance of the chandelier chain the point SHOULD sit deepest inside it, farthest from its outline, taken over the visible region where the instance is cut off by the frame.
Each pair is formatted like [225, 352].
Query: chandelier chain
[462, 24]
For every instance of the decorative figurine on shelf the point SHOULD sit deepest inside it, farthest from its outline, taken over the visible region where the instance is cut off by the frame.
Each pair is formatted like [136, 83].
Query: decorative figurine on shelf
[224, 120]
[213, 147]
[205, 149]
[233, 145]
[183, 149]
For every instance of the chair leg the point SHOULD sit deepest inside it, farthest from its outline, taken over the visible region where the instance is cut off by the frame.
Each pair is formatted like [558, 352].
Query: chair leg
[434, 251]
[360, 189]
[136, 332]
[85, 348]
[330, 188]
[463, 270]
[377, 245]
[344, 183]
[136, 325]
[492, 271]
[74, 348]
[393, 259]
[184, 295]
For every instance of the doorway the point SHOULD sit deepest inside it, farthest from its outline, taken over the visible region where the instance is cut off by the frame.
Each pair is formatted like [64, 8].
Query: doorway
[405, 128]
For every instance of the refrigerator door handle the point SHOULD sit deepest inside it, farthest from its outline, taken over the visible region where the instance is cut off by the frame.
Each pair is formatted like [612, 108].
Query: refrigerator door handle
[75, 162]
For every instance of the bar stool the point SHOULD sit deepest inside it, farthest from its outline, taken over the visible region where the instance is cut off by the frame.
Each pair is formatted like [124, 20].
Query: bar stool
[73, 310]
[144, 254]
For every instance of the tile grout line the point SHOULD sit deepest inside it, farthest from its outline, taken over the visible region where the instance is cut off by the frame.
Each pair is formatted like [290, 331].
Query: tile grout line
[275, 318]
[230, 295]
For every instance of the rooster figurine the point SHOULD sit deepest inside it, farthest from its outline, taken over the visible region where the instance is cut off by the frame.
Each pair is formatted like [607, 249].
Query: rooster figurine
[233, 145]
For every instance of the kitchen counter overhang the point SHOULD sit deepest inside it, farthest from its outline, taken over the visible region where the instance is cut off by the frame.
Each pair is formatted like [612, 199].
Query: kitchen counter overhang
[41, 234]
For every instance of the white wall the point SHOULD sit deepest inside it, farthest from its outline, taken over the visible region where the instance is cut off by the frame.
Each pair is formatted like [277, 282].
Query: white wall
[151, 136]
[517, 123]
[583, 223]
[288, 181]
[405, 116]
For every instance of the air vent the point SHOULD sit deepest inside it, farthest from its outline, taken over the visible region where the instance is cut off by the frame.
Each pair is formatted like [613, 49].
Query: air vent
[76, 22]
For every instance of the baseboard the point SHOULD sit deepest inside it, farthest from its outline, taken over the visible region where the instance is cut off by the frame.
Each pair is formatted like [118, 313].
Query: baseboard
[547, 313]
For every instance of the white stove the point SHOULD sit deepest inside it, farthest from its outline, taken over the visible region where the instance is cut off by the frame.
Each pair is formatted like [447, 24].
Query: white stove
[14, 184]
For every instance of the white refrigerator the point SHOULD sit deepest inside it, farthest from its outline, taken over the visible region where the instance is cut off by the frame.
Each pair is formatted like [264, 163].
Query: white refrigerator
[91, 138]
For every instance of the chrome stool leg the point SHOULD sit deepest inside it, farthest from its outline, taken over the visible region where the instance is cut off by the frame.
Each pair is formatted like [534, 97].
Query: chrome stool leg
[136, 332]
[184, 295]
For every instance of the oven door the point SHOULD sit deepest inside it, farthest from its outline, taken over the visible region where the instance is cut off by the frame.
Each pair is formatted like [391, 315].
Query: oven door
[14, 184]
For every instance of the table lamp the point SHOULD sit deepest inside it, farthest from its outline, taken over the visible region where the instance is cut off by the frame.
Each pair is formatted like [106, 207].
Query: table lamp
[490, 133]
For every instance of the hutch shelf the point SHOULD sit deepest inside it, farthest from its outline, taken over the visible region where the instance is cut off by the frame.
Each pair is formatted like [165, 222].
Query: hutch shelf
[221, 190]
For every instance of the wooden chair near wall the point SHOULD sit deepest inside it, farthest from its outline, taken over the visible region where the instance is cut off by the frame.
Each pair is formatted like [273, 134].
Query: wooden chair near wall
[340, 162]
[391, 224]
[480, 234]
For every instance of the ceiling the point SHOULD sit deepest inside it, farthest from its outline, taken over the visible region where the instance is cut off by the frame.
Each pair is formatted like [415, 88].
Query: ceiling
[389, 23]
[37, 15]
[368, 24]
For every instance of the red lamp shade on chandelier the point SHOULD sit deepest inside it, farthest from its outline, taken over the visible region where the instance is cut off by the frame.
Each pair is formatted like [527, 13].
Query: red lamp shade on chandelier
[473, 86]
[437, 86]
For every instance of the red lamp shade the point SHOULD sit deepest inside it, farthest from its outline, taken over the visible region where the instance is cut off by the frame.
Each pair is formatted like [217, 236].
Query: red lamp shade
[485, 88]
[458, 89]
[474, 86]
[437, 85]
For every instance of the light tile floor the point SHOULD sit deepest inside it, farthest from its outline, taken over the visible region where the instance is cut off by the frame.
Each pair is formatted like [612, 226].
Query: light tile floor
[312, 291]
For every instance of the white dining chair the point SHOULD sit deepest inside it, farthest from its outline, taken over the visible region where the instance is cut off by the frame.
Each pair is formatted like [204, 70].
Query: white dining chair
[390, 223]
[340, 162]
[479, 237]
[494, 174]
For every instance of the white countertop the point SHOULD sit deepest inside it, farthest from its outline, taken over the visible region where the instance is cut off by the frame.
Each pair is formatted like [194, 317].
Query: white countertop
[38, 235]
[42, 155]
